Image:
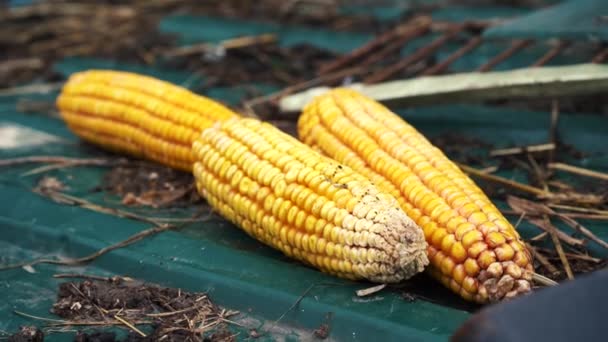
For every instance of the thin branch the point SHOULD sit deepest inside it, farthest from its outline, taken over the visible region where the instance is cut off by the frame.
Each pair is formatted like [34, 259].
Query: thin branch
[578, 171]
[63, 198]
[62, 160]
[541, 258]
[559, 248]
[504, 181]
[31, 89]
[581, 229]
[23, 314]
[541, 279]
[131, 326]
[79, 261]
[521, 150]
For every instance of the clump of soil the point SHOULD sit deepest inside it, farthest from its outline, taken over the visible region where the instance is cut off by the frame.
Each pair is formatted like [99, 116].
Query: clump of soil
[27, 334]
[174, 315]
[149, 184]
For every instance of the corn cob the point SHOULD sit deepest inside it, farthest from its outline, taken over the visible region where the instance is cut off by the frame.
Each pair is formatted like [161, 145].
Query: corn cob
[290, 197]
[275, 188]
[138, 115]
[472, 248]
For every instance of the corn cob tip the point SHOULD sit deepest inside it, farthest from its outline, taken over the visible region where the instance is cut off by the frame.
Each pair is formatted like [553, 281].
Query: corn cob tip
[409, 243]
[504, 280]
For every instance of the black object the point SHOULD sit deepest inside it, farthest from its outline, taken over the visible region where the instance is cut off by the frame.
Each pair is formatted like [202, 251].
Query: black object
[574, 311]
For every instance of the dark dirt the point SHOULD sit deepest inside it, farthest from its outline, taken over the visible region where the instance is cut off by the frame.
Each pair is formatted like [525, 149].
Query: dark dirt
[261, 64]
[464, 149]
[27, 334]
[148, 184]
[578, 267]
[173, 314]
[98, 336]
[36, 36]
[307, 13]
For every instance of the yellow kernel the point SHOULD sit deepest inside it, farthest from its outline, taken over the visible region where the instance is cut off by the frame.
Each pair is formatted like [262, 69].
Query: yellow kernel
[486, 258]
[521, 259]
[454, 285]
[518, 246]
[476, 248]
[309, 224]
[447, 266]
[470, 285]
[458, 252]
[330, 248]
[468, 209]
[305, 243]
[478, 218]
[487, 228]
[283, 234]
[471, 238]
[462, 227]
[446, 243]
[321, 243]
[300, 218]
[298, 240]
[504, 252]
[312, 243]
[495, 239]
[459, 274]
[438, 259]
[429, 229]
[438, 236]
[291, 235]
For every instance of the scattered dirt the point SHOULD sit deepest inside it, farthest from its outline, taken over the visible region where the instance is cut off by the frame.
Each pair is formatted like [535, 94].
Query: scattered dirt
[150, 184]
[578, 267]
[324, 14]
[27, 334]
[36, 36]
[259, 64]
[461, 148]
[324, 330]
[174, 315]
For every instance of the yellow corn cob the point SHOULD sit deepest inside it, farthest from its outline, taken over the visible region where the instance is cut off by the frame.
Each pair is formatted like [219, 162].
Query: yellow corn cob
[138, 115]
[275, 188]
[290, 197]
[472, 248]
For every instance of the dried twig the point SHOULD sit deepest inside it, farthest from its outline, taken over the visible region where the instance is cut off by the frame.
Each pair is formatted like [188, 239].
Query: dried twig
[541, 279]
[541, 258]
[62, 160]
[391, 70]
[504, 181]
[581, 229]
[521, 205]
[31, 89]
[79, 261]
[577, 209]
[558, 247]
[370, 290]
[23, 314]
[553, 127]
[91, 277]
[583, 257]
[129, 325]
[578, 171]
[523, 149]
[227, 44]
